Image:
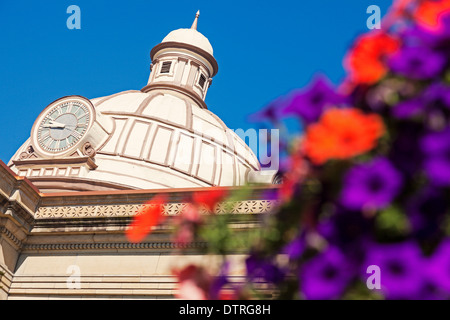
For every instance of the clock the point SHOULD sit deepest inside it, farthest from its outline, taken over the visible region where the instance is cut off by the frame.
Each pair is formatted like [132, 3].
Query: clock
[62, 125]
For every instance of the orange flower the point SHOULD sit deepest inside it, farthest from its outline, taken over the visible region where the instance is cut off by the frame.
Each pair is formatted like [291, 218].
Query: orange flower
[149, 215]
[295, 172]
[342, 134]
[209, 199]
[429, 13]
[365, 61]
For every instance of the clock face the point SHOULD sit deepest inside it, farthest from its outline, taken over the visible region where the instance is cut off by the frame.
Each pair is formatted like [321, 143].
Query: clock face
[62, 126]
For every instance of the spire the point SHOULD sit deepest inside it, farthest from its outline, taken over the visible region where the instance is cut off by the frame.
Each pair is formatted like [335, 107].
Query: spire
[194, 25]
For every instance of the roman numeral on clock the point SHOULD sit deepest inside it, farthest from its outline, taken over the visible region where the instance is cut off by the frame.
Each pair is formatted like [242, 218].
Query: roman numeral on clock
[47, 142]
[45, 134]
[76, 134]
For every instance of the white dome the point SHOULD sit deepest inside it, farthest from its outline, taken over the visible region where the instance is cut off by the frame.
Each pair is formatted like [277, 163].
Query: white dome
[160, 140]
[187, 145]
[191, 37]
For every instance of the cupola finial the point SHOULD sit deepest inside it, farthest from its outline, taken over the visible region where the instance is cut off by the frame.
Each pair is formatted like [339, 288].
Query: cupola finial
[194, 25]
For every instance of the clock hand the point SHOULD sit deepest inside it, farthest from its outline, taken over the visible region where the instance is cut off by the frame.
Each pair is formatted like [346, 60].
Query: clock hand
[54, 126]
[57, 123]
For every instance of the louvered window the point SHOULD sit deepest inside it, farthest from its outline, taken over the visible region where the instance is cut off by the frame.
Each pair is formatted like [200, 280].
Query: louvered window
[165, 68]
[202, 80]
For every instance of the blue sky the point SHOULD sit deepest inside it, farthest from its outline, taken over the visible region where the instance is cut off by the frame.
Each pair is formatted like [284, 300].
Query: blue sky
[42, 60]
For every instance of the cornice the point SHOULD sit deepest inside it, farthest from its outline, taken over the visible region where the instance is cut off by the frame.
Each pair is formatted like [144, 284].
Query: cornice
[13, 239]
[162, 245]
[71, 160]
[19, 198]
[15, 182]
[37, 213]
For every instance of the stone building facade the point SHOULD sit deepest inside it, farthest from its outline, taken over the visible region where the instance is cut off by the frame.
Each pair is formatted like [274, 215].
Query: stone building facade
[70, 191]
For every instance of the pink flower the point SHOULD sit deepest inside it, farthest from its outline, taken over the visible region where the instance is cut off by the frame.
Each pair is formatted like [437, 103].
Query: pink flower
[193, 283]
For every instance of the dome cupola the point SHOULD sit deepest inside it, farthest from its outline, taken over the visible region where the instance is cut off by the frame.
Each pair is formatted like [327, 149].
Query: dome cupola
[183, 62]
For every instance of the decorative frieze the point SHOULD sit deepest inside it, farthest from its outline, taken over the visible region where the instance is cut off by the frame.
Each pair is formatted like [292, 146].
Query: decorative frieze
[170, 209]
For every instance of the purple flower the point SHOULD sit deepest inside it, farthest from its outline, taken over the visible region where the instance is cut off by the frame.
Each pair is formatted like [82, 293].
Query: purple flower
[271, 112]
[371, 185]
[219, 281]
[271, 194]
[401, 267]
[296, 247]
[418, 36]
[426, 211]
[408, 108]
[430, 291]
[417, 63]
[262, 268]
[309, 103]
[350, 231]
[437, 95]
[405, 154]
[438, 41]
[436, 149]
[443, 37]
[326, 275]
[347, 229]
[378, 97]
[438, 267]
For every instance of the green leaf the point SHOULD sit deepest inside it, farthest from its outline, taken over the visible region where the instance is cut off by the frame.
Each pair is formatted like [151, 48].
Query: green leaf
[392, 222]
